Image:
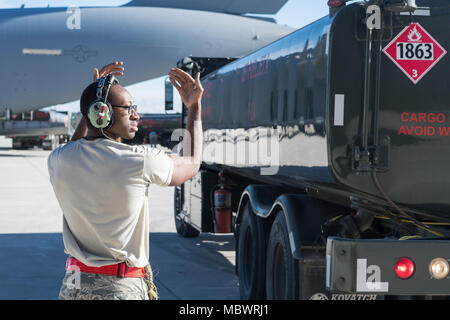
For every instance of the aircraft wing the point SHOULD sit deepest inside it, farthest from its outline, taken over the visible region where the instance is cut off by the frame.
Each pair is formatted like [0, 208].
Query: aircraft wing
[223, 6]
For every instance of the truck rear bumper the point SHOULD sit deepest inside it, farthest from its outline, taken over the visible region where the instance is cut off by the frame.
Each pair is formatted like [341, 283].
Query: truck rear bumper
[368, 266]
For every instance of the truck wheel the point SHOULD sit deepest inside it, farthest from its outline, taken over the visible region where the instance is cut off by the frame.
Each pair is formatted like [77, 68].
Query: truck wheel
[251, 256]
[183, 229]
[282, 281]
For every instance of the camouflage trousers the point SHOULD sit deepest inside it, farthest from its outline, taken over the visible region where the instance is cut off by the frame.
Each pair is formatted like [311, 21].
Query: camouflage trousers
[89, 286]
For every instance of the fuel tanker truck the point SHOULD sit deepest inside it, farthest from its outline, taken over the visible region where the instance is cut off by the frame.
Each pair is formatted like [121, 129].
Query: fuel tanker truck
[326, 154]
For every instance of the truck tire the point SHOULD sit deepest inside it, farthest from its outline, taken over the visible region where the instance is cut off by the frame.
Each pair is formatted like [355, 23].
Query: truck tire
[251, 256]
[183, 229]
[282, 278]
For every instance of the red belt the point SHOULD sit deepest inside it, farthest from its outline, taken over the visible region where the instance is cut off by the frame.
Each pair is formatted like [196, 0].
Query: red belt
[120, 270]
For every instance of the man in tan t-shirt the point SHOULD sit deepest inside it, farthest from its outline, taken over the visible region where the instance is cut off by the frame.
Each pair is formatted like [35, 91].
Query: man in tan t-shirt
[102, 188]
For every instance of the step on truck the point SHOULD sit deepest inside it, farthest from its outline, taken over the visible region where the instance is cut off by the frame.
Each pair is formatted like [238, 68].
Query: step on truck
[326, 154]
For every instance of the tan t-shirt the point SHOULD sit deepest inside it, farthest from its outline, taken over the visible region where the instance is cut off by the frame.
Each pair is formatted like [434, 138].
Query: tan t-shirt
[102, 188]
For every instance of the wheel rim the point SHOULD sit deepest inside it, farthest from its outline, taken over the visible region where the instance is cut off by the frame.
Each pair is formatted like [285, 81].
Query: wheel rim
[279, 272]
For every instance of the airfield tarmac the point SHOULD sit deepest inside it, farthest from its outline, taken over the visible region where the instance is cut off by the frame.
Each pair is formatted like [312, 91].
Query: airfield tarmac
[32, 257]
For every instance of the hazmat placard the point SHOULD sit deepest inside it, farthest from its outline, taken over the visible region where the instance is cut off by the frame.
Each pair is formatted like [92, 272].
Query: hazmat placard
[414, 51]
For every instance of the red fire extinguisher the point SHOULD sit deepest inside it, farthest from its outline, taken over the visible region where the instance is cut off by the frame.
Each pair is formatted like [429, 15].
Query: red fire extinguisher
[222, 209]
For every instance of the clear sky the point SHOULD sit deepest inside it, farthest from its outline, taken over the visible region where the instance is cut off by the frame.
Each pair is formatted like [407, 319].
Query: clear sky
[295, 13]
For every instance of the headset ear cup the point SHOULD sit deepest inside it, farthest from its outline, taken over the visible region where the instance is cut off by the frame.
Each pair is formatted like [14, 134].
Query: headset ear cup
[110, 111]
[100, 115]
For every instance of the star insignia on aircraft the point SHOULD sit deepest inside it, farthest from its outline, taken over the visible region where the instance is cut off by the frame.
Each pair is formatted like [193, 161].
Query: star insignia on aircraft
[80, 53]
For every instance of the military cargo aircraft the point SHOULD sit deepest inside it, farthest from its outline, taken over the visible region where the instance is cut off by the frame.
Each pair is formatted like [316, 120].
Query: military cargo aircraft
[48, 54]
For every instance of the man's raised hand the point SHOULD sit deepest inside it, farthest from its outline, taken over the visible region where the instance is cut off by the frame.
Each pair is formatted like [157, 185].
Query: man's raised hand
[190, 90]
[115, 68]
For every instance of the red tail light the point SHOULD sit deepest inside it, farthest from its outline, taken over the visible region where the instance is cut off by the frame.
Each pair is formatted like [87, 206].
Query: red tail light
[404, 268]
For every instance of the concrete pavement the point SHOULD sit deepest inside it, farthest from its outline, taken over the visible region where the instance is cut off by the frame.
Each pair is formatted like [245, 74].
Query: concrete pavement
[32, 255]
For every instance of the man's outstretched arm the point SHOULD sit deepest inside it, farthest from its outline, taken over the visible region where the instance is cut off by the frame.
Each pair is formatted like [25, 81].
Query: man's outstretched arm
[187, 165]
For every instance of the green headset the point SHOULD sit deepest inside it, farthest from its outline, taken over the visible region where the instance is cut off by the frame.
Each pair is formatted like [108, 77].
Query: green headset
[100, 112]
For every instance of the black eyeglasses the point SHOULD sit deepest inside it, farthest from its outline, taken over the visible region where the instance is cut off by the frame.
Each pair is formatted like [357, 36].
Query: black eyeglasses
[133, 107]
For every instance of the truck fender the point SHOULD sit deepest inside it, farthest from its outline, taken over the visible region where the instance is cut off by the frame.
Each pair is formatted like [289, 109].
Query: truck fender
[304, 217]
[261, 198]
